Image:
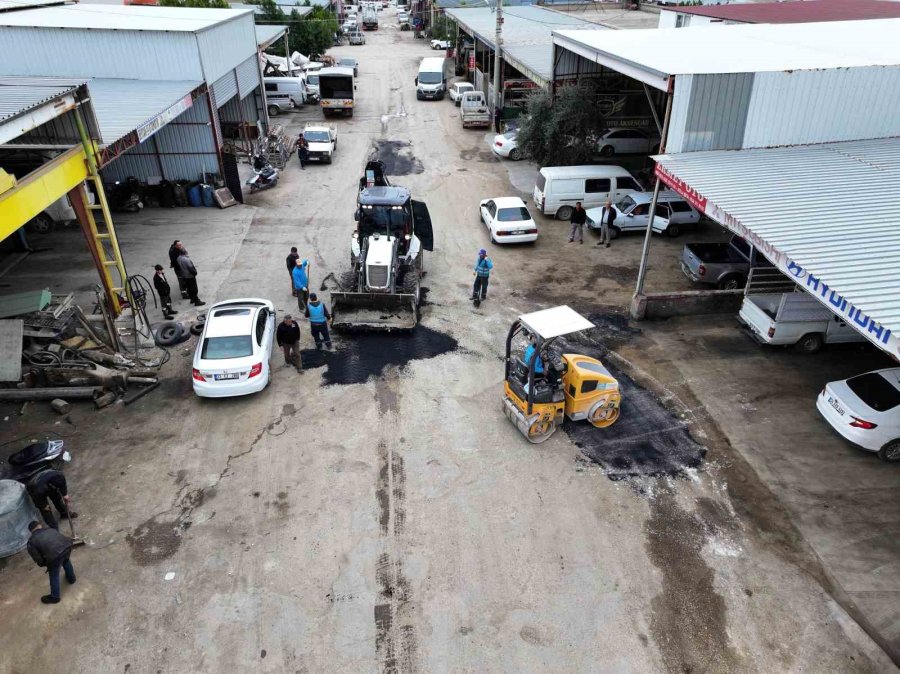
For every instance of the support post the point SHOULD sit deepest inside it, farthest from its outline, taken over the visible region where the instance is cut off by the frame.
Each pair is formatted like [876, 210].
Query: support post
[659, 128]
[498, 56]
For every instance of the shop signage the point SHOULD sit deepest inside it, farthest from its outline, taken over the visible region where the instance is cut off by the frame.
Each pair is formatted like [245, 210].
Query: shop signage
[163, 118]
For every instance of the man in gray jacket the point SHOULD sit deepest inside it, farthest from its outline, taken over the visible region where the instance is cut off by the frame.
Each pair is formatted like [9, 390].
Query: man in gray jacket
[50, 549]
[188, 272]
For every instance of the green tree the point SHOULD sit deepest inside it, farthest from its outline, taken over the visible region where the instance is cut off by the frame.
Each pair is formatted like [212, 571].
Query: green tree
[561, 132]
[207, 4]
[311, 34]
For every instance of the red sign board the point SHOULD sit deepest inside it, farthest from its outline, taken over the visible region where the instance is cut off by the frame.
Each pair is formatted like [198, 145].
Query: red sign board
[472, 61]
[693, 197]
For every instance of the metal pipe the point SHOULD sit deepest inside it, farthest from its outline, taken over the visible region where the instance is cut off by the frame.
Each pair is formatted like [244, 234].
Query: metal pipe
[74, 392]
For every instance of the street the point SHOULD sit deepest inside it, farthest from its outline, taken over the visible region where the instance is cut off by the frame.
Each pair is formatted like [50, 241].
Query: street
[377, 513]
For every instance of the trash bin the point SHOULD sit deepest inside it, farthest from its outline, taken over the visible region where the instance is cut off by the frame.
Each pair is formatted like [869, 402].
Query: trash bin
[16, 511]
[194, 197]
[207, 192]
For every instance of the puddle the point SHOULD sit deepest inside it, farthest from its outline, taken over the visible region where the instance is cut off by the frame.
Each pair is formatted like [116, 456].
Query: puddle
[397, 157]
[369, 354]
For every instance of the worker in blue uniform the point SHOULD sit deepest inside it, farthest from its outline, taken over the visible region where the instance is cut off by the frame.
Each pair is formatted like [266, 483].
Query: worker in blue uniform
[318, 316]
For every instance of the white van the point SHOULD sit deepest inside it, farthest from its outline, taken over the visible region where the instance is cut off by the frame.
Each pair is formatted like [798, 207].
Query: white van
[294, 87]
[558, 188]
[431, 82]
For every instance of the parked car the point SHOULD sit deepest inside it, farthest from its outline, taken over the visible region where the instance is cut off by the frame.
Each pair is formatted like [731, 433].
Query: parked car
[504, 145]
[558, 188]
[626, 141]
[349, 62]
[474, 109]
[402, 17]
[457, 89]
[232, 355]
[277, 103]
[312, 86]
[508, 220]
[440, 44]
[726, 264]
[673, 213]
[356, 37]
[866, 410]
[295, 87]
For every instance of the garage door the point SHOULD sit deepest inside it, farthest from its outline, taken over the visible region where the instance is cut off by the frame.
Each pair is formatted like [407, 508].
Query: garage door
[248, 76]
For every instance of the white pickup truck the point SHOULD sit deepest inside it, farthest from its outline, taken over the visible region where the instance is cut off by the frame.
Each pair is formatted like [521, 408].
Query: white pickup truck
[474, 109]
[322, 141]
[793, 319]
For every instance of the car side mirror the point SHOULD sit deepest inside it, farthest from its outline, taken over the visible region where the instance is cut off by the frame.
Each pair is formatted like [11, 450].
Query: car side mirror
[356, 215]
[630, 215]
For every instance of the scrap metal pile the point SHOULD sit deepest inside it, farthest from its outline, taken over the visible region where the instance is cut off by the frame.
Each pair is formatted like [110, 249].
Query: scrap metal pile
[277, 147]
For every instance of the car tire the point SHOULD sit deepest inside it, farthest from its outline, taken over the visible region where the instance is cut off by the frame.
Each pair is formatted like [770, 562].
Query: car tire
[731, 282]
[274, 110]
[810, 343]
[607, 151]
[197, 329]
[564, 213]
[514, 154]
[890, 453]
[614, 232]
[169, 333]
[673, 231]
[40, 224]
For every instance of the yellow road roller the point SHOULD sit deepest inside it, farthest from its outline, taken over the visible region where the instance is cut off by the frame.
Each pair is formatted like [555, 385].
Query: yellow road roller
[541, 386]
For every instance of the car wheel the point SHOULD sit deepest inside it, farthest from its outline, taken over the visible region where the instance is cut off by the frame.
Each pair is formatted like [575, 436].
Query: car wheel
[564, 213]
[890, 452]
[614, 232]
[733, 282]
[607, 151]
[514, 154]
[274, 110]
[40, 224]
[810, 343]
[673, 231]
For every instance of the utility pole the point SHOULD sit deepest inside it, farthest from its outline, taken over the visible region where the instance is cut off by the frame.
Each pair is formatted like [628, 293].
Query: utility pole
[498, 56]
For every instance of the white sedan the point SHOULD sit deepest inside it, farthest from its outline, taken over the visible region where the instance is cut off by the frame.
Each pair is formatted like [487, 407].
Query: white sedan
[504, 145]
[440, 44]
[232, 356]
[508, 220]
[626, 141]
[457, 89]
[866, 410]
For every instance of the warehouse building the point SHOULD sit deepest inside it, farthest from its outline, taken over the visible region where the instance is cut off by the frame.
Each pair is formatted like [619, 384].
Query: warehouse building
[810, 11]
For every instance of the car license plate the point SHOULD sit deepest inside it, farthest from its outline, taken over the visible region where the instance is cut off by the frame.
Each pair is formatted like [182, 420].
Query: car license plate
[220, 377]
[836, 405]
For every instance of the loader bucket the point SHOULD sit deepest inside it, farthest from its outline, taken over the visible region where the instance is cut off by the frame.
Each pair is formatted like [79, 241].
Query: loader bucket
[373, 311]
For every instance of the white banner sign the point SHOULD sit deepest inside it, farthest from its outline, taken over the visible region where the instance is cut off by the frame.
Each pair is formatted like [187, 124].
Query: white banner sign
[163, 118]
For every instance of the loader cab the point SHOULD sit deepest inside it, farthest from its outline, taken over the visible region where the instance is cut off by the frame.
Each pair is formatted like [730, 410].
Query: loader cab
[388, 210]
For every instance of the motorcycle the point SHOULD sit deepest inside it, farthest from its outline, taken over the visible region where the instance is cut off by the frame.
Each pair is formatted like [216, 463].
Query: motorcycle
[34, 459]
[125, 197]
[265, 175]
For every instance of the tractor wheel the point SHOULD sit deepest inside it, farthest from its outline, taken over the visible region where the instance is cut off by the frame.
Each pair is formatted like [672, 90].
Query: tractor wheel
[605, 411]
[412, 285]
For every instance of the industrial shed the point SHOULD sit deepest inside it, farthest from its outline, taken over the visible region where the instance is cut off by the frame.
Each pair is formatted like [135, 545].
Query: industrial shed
[164, 80]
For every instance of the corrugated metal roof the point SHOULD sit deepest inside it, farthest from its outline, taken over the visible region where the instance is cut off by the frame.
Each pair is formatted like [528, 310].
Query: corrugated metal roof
[715, 49]
[120, 17]
[266, 35]
[18, 5]
[20, 94]
[823, 213]
[526, 34]
[798, 12]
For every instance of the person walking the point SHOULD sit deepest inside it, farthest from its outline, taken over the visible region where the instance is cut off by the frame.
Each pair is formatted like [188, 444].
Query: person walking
[189, 272]
[291, 261]
[302, 151]
[607, 218]
[300, 278]
[50, 549]
[164, 291]
[48, 487]
[482, 273]
[579, 217]
[174, 251]
[318, 316]
[288, 337]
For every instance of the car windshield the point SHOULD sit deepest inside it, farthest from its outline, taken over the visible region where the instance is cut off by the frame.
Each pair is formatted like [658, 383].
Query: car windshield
[510, 135]
[383, 220]
[626, 204]
[312, 79]
[513, 214]
[221, 348]
[348, 62]
[875, 391]
[317, 136]
[463, 88]
[430, 78]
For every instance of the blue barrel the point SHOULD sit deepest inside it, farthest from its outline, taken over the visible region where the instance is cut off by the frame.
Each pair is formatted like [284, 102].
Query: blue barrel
[194, 196]
[208, 199]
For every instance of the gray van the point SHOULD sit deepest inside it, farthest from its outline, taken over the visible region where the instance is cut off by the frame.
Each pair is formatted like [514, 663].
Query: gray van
[294, 87]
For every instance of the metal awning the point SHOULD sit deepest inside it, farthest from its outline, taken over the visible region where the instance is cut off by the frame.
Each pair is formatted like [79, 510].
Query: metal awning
[823, 214]
[267, 34]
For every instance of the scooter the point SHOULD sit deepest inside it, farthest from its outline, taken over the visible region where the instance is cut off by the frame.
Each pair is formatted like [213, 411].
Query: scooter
[33, 459]
[125, 196]
[265, 175]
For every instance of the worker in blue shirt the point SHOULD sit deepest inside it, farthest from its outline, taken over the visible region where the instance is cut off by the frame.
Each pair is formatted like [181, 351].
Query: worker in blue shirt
[538, 363]
[482, 272]
[301, 283]
[318, 316]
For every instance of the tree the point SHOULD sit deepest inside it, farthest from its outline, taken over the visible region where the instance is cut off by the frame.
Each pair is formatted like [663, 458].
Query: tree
[312, 34]
[562, 132]
[206, 4]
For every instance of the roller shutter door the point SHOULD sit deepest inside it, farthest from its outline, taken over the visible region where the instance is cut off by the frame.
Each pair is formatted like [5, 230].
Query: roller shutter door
[248, 76]
[225, 88]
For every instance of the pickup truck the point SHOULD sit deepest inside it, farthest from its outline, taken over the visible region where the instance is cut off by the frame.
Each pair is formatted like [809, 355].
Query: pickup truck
[793, 319]
[322, 141]
[725, 264]
[474, 109]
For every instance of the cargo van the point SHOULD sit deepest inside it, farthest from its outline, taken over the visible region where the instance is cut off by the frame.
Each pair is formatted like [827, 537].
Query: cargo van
[558, 188]
[293, 87]
[431, 82]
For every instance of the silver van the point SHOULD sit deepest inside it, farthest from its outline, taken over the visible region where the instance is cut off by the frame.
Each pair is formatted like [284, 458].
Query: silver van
[558, 188]
[294, 87]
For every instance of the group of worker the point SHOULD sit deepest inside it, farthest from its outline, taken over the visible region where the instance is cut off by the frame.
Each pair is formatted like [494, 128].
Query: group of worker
[287, 335]
[186, 273]
[579, 218]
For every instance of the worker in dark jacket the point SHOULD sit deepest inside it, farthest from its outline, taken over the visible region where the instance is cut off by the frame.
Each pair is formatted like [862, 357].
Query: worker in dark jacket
[318, 316]
[291, 261]
[50, 486]
[607, 218]
[50, 549]
[288, 337]
[579, 217]
[174, 251]
[188, 272]
[164, 291]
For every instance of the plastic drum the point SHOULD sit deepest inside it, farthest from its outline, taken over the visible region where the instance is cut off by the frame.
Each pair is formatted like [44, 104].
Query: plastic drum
[16, 511]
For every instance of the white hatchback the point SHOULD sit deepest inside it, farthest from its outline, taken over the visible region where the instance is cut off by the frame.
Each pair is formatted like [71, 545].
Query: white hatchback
[457, 89]
[232, 356]
[440, 44]
[866, 410]
[508, 220]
